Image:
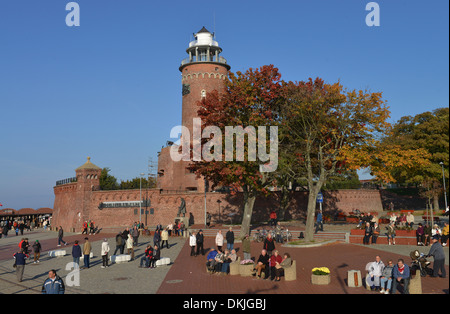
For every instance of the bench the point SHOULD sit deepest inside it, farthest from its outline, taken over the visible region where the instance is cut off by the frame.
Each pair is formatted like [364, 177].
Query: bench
[163, 261]
[57, 253]
[122, 258]
[290, 273]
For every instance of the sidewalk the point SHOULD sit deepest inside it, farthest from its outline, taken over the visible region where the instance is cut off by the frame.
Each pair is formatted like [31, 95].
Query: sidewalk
[188, 274]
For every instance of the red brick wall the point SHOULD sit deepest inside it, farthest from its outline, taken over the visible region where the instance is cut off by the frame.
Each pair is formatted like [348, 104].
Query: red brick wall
[165, 206]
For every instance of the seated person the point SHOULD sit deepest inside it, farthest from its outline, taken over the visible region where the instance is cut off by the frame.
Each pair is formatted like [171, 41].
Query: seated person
[147, 256]
[210, 259]
[400, 274]
[229, 257]
[262, 264]
[280, 267]
[219, 260]
[155, 256]
[386, 276]
[375, 271]
[274, 260]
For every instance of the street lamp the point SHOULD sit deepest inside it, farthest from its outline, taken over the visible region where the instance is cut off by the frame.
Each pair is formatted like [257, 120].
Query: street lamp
[443, 180]
[140, 198]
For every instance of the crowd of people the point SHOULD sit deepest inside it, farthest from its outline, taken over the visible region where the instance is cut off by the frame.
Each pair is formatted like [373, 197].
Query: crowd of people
[386, 278]
[219, 258]
[20, 225]
[424, 232]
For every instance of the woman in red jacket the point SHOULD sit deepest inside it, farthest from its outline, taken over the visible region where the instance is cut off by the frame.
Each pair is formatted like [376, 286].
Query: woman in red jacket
[274, 260]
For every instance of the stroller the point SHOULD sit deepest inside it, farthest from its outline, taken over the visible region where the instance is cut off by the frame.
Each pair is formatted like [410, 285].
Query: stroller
[419, 262]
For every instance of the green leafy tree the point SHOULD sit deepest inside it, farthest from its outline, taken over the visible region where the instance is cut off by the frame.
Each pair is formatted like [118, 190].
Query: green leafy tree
[426, 132]
[107, 181]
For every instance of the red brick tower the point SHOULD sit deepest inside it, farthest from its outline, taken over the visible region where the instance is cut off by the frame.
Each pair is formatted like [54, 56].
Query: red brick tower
[202, 72]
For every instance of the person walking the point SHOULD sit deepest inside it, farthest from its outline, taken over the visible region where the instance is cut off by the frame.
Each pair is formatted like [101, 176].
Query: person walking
[86, 252]
[85, 228]
[193, 243]
[165, 238]
[200, 240]
[219, 240]
[60, 236]
[130, 246]
[157, 238]
[104, 253]
[135, 234]
[120, 242]
[319, 222]
[437, 251]
[20, 261]
[53, 284]
[230, 239]
[37, 248]
[76, 253]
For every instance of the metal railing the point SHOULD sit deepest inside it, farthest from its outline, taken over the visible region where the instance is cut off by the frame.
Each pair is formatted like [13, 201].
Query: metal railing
[221, 60]
[66, 181]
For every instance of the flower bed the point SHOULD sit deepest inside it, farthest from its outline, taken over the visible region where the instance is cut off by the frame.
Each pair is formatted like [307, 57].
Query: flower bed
[320, 276]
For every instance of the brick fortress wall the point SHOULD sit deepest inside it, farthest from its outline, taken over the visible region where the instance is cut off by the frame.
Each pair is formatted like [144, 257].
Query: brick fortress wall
[69, 214]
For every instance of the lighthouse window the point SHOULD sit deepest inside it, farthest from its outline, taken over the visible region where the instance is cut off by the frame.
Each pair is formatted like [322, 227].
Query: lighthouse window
[203, 56]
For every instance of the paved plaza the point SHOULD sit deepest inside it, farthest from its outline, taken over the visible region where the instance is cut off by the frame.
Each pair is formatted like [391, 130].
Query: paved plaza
[187, 275]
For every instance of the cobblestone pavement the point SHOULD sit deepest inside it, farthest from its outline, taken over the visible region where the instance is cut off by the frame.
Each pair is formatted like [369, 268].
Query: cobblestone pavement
[187, 275]
[121, 278]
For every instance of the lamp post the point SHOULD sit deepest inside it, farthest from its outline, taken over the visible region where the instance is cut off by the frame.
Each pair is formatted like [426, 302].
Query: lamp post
[443, 180]
[140, 198]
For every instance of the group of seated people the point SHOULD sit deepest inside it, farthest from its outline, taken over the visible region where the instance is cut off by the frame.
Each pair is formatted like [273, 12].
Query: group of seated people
[272, 265]
[219, 262]
[387, 278]
[151, 255]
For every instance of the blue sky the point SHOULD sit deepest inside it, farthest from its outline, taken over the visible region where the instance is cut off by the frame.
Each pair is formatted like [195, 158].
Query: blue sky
[111, 89]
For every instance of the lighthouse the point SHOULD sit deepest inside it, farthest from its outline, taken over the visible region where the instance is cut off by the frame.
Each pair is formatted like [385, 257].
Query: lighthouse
[202, 71]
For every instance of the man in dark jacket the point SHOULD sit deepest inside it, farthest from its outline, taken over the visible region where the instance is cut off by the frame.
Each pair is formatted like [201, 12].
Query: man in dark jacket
[155, 257]
[200, 242]
[19, 264]
[262, 264]
[400, 274]
[60, 236]
[230, 239]
[53, 284]
[269, 244]
[76, 253]
[120, 243]
[37, 251]
[437, 251]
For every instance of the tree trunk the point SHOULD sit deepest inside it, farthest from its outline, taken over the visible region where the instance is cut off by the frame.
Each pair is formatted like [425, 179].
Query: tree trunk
[284, 203]
[249, 202]
[436, 202]
[310, 214]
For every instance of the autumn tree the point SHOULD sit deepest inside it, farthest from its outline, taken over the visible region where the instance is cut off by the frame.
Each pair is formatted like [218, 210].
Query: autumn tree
[250, 100]
[427, 136]
[322, 120]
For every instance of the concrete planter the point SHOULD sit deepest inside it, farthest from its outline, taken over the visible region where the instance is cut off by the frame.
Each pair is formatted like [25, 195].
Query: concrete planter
[246, 270]
[320, 279]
